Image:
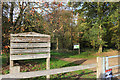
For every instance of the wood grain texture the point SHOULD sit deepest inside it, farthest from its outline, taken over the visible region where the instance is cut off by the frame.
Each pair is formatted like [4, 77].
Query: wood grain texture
[28, 45]
[48, 72]
[100, 68]
[29, 39]
[22, 51]
[30, 56]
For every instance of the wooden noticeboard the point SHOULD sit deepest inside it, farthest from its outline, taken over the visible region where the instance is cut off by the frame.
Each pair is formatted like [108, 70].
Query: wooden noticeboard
[26, 45]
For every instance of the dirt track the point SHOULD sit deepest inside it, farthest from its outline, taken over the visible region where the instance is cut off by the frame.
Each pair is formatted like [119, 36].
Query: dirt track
[112, 61]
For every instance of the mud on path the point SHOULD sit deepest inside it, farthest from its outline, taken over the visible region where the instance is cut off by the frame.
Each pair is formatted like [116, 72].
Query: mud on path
[82, 61]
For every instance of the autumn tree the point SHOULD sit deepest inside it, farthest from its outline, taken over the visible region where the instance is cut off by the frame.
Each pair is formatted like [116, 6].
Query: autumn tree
[59, 24]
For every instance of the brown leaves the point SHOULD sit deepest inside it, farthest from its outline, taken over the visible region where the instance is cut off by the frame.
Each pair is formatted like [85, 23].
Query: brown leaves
[46, 5]
[8, 20]
[17, 28]
[37, 19]
[32, 12]
[60, 4]
[32, 7]
[83, 19]
[53, 2]
[6, 47]
[23, 29]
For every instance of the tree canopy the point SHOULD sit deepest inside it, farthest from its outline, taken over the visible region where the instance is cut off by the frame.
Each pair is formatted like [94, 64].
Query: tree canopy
[92, 24]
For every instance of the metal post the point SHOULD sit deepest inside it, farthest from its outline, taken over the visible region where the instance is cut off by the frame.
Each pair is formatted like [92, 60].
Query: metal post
[107, 64]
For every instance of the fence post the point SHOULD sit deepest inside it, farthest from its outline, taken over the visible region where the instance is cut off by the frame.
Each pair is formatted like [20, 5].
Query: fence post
[100, 68]
[48, 66]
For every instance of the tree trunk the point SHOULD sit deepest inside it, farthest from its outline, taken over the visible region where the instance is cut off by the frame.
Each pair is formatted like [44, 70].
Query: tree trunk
[71, 42]
[79, 48]
[100, 39]
[94, 47]
[99, 35]
[100, 49]
[57, 44]
[79, 42]
[11, 13]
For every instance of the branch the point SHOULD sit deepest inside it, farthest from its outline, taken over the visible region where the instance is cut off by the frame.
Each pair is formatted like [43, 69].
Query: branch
[20, 14]
[11, 13]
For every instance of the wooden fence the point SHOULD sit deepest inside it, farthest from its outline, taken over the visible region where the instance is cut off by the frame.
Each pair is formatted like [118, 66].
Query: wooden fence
[48, 72]
[99, 68]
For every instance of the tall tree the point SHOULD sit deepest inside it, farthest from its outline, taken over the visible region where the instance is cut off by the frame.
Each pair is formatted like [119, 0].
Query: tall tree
[96, 14]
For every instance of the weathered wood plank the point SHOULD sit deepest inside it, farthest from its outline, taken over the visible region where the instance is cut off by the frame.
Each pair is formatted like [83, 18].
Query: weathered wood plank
[28, 45]
[29, 39]
[29, 56]
[21, 51]
[48, 72]
[30, 34]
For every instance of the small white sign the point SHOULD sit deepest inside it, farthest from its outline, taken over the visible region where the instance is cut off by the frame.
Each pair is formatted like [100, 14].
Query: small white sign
[76, 46]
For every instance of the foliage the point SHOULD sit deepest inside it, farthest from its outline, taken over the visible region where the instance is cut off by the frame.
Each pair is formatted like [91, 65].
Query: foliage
[97, 22]
[98, 17]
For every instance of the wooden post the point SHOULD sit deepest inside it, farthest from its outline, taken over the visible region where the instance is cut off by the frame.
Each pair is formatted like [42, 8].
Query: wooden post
[48, 66]
[11, 66]
[100, 68]
[11, 61]
[14, 69]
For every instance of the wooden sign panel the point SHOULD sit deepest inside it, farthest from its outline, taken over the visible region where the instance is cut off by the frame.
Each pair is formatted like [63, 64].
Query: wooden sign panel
[29, 42]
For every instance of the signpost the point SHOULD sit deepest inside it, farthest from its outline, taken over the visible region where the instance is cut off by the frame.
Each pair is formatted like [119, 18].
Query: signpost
[76, 46]
[78, 41]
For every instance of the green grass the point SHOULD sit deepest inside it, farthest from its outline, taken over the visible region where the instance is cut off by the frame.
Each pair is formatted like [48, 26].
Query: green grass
[4, 60]
[40, 64]
[87, 53]
[63, 53]
[54, 63]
